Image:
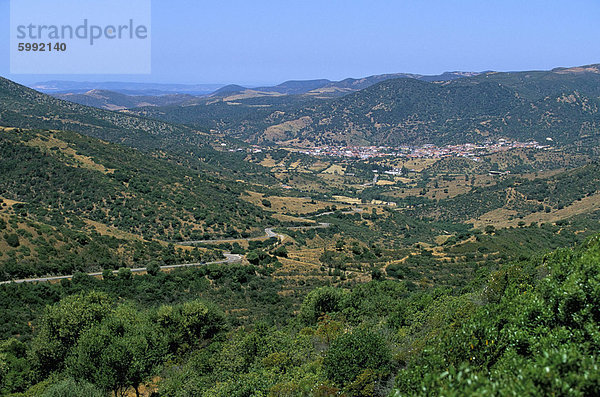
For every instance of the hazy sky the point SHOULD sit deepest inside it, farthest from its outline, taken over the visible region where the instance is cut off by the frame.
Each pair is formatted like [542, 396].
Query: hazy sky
[268, 41]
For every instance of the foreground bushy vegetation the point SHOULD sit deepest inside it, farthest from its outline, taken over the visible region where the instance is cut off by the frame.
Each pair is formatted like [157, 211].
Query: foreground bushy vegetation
[531, 329]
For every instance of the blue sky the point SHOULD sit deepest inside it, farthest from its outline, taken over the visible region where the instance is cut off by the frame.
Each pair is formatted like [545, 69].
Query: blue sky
[255, 42]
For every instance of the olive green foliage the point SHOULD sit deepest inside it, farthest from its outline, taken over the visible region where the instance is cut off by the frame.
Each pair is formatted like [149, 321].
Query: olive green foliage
[353, 353]
[253, 294]
[12, 240]
[530, 329]
[122, 351]
[54, 250]
[144, 195]
[14, 366]
[537, 334]
[189, 324]
[71, 388]
[96, 341]
[322, 301]
[153, 268]
[62, 326]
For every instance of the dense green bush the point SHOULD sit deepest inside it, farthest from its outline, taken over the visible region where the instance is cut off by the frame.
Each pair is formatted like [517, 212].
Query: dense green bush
[12, 240]
[71, 388]
[190, 324]
[122, 351]
[533, 337]
[322, 301]
[531, 328]
[355, 352]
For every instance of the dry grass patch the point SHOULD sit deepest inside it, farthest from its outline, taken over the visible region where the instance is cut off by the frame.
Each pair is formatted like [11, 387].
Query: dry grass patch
[383, 182]
[417, 165]
[335, 169]
[268, 162]
[48, 144]
[289, 218]
[347, 200]
[500, 217]
[280, 132]
[112, 231]
[281, 205]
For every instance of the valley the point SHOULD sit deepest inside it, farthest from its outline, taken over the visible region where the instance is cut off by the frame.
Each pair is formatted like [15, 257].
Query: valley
[254, 238]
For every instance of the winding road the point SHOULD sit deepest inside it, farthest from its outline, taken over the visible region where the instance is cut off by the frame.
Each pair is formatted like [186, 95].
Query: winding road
[269, 233]
[229, 258]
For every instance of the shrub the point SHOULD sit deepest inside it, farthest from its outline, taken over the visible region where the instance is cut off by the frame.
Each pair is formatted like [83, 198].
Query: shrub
[353, 353]
[281, 252]
[153, 268]
[71, 388]
[322, 301]
[12, 240]
[124, 273]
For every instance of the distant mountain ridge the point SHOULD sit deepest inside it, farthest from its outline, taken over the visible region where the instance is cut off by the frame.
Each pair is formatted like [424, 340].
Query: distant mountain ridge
[345, 86]
[26, 108]
[323, 88]
[112, 100]
[561, 104]
[127, 88]
[22, 107]
[122, 96]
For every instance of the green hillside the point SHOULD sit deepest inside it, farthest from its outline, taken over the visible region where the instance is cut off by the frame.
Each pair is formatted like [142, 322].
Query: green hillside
[69, 181]
[111, 100]
[520, 195]
[25, 108]
[408, 111]
[81, 176]
[561, 104]
[443, 277]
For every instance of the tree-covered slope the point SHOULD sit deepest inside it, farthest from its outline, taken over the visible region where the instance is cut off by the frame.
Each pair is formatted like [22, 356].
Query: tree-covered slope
[112, 100]
[523, 196]
[73, 183]
[560, 104]
[78, 176]
[25, 108]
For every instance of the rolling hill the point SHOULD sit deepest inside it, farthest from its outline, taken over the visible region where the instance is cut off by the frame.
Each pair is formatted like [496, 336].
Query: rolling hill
[323, 88]
[26, 108]
[23, 107]
[65, 183]
[127, 88]
[561, 104]
[111, 100]
[75, 197]
[567, 193]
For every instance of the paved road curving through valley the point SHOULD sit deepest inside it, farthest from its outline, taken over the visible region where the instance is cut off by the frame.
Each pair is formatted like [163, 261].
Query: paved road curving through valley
[229, 258]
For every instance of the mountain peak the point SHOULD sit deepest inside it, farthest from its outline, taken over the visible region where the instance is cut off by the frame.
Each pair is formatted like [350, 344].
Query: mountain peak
[228, 90]
[595, 68]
